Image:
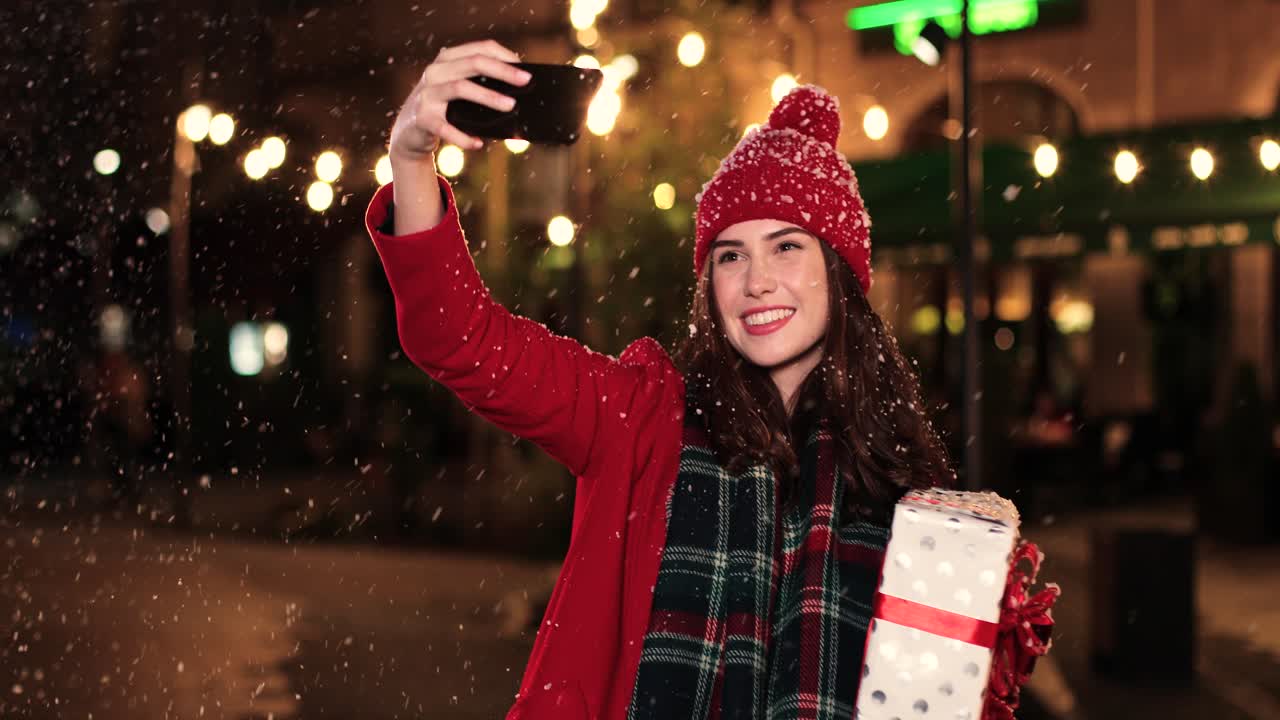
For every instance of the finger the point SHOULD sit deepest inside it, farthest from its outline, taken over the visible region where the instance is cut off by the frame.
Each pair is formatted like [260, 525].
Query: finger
[451, 134]
[477, 65]
[500, 51]
[487, 47]
[467, 90]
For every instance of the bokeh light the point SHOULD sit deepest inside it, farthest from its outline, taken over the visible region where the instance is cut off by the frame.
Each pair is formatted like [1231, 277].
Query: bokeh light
[560, 231]
[875, 123]
[247, 357]
[588, 37]
[275, 343]
[580, 16]
[1004, 338]
[255, 164]
[221, 128]
[106, 161]
[157, 221]
[1269, 154]
[195, 122]
[1126, 166]
[1201, 163]
[626, 66]
[382, 170]
[319, 196]
[329, 166]
[273, 148]
[664, 196]
[691, 50]
[450, 161]
[603, 112]
[1045, 160]
[783, 84]
[113, 327]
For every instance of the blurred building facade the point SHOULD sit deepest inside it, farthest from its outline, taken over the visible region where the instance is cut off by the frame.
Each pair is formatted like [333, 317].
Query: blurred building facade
[1142, 349]
[1131, 346]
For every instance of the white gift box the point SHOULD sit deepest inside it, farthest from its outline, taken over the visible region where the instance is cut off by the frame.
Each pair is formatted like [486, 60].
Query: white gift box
[929, 647]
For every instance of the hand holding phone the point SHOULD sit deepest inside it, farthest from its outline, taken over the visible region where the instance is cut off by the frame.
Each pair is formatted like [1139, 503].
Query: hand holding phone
[421, 122]
[549, 109]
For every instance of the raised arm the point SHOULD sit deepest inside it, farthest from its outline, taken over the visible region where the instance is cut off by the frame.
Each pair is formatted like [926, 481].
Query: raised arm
[571, 401]
[515, 372]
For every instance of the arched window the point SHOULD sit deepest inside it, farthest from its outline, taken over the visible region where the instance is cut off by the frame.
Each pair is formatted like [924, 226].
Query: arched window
[1006, 109]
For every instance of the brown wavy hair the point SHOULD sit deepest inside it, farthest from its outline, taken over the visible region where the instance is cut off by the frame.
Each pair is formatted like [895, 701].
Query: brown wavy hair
[863, 388]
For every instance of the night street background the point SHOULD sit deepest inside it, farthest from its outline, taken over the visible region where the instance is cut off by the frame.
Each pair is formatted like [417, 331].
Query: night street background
[225, 492]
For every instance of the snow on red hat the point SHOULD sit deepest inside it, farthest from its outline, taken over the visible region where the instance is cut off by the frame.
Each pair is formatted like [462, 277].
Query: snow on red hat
[789, 170]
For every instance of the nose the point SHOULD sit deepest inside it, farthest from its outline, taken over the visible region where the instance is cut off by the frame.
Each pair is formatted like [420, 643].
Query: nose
[760, 279]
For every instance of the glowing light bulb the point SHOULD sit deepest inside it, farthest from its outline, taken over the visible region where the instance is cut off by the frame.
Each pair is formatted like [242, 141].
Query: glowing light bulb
[221, 128]
[1126, 166]
[691, 50]
[320, 196]
[195, 122]
[1269, 154]
[560, 231]
[273, 148]
[382, 170]
[875, 123]
[664, 196]
[256, 164]
[1201, 163]
[1045, 160]
[328, 166]
[450, 160]
[106, 162]
[783, 84]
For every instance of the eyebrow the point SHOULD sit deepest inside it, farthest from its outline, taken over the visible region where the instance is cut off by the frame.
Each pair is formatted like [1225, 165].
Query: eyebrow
[771, 236]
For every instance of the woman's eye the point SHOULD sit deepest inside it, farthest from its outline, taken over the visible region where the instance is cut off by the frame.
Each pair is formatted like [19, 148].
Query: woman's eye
[726, 257]
[788, 243]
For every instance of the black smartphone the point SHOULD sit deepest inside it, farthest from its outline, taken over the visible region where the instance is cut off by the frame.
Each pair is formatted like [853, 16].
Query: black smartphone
[550, 108]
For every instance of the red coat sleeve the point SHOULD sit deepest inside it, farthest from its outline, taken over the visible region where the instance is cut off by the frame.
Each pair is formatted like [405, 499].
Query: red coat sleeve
[552, 390]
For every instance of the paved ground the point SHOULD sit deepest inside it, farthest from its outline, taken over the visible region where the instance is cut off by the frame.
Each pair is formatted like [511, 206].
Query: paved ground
[106, 617]
[1237, 615]
[108, 621]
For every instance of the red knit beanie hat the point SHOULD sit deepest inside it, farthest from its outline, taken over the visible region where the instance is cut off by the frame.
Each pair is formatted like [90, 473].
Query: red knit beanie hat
[789, 170]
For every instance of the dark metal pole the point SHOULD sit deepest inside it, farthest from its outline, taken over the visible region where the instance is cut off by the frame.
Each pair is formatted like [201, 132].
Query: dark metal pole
[181, 332]
[968, 223]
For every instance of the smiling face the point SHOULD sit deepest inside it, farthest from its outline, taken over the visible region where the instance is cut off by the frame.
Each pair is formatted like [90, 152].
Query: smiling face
[770, 288]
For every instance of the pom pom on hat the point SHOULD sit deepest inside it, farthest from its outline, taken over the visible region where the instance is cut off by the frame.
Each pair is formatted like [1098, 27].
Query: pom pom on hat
[811, 111]
[789, 170]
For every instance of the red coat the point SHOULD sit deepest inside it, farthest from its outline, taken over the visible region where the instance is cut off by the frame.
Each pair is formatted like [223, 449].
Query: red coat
[615, 423]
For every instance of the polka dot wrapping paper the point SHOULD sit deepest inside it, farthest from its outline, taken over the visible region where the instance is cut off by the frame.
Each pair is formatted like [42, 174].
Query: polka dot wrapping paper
[929, 650]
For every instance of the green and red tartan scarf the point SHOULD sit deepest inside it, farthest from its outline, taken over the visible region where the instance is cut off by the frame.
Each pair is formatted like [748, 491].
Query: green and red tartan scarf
[752, 618]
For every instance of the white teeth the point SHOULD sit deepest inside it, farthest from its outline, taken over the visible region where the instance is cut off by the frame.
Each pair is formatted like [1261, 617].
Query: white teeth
[769, 316]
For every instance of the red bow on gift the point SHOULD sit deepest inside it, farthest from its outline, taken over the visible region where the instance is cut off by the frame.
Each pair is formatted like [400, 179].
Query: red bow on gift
[1026, 624]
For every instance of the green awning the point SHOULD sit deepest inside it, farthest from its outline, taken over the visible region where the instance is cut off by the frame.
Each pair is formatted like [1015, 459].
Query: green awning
[1083, 207]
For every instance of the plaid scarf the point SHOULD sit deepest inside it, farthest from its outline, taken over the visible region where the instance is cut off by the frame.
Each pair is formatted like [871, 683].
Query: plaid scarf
[753, 618]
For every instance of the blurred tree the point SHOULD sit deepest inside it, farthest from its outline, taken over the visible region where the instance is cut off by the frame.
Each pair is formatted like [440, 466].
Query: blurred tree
[676, 124]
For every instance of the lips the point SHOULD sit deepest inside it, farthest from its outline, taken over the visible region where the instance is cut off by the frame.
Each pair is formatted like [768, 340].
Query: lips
[767, 327]
[764, 308]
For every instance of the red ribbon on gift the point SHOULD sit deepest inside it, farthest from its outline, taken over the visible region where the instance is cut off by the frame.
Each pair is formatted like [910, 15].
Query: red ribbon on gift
[1021, 636]
[1026, 626]
[935, 622]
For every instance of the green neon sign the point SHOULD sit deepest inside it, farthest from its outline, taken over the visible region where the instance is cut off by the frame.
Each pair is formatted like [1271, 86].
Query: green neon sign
[908, 17]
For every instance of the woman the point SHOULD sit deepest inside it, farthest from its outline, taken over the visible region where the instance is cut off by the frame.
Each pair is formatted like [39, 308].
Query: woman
[731, 515]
